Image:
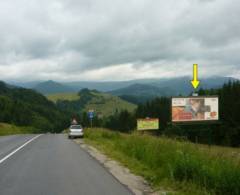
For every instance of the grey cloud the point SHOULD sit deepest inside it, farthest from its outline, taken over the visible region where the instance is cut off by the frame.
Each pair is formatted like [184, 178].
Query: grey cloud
[80, 36]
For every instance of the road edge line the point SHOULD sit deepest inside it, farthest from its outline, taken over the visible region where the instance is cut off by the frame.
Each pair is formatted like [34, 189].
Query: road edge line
[19, 148]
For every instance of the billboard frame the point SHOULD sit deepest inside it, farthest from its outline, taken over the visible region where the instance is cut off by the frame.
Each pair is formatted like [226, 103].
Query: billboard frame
[195, 122]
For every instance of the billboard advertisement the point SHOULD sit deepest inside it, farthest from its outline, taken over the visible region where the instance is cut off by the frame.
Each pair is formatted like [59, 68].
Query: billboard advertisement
[148, 124]
[188, 109]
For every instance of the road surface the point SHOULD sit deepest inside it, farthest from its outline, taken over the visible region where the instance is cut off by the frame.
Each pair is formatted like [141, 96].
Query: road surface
[52, 165]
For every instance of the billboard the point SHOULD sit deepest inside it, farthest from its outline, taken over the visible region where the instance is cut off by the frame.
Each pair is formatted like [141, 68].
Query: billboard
[147, 124]
[188, 109]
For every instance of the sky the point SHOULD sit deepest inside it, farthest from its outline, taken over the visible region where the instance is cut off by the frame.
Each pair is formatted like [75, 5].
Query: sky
[72, 40]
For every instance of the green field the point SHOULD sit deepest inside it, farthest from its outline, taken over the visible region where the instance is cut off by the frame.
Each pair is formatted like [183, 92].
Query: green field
[8, 129]
[63, 96]
[177, 167]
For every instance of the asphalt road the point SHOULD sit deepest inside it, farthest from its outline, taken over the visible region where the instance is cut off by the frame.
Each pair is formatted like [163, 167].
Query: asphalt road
[52, 165]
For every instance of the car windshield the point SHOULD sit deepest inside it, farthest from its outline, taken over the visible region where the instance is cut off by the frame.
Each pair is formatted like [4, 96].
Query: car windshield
[76, 127]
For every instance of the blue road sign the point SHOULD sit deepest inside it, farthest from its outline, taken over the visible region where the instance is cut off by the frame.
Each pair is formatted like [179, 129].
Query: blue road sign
[91, 115]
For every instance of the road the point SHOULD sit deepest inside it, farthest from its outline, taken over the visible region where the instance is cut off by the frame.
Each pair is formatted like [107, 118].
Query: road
[52, 165]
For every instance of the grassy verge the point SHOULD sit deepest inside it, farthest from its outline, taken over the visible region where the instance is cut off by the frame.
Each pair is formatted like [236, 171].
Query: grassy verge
[180, 167]
[7, 129]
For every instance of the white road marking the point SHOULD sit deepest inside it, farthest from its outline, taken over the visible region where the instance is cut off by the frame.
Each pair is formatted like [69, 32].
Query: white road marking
[19, 148]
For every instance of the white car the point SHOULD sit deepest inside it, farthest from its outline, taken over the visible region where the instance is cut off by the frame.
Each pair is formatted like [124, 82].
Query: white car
[75, 131]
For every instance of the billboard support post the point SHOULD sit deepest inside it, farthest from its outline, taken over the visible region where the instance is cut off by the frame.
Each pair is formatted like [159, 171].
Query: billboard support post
[91, 123]
[210, 138]
[196, 139]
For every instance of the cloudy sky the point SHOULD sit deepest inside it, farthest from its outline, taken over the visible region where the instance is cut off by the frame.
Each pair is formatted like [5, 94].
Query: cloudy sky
[118, 40]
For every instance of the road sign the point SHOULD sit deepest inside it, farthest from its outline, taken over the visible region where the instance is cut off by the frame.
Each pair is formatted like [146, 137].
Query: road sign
[74, 121]
[91, 114]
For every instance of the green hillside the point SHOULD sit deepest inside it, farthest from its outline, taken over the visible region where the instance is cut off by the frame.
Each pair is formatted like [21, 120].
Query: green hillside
[107, 104]
[104, 104]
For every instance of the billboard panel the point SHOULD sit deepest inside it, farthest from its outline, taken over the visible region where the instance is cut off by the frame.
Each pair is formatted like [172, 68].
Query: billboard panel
[147, 124]
[188, 109]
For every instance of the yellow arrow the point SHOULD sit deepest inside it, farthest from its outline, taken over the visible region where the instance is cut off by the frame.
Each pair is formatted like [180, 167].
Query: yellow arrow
[195, 82]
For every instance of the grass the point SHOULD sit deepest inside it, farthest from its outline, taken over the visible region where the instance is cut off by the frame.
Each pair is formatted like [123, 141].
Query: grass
[8, 129]
[63, 96]
[180, 167]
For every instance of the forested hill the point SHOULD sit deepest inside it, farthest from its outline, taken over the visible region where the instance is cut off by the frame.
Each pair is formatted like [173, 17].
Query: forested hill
[25, 107]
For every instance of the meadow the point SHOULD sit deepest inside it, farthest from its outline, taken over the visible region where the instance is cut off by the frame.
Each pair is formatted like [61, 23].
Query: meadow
[102, 103]
[63, 96]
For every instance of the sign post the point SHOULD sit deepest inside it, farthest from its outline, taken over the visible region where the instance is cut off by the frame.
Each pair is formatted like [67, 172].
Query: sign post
[91, 116]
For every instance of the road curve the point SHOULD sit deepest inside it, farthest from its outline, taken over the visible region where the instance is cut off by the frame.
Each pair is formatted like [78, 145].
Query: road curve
[53, 165]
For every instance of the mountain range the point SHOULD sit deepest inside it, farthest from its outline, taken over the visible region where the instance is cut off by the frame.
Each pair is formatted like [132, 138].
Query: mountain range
[141, 87]
[169, 87]
[143, 90]
[51, 87]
